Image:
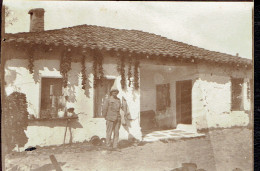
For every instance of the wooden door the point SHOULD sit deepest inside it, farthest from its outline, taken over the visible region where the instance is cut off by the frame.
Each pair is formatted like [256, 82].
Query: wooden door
[183, 102]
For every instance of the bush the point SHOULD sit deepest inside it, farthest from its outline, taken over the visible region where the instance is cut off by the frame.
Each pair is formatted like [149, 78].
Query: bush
[15, 120]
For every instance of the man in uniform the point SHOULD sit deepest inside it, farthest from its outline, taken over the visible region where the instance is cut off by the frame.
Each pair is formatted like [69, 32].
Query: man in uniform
[111, 112]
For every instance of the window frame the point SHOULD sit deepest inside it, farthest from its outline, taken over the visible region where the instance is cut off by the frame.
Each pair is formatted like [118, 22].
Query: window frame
[168, 96]
[40, 95]
[234, 107]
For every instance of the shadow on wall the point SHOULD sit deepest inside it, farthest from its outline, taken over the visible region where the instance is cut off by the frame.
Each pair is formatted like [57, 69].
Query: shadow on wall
[73, 82]
[221, 75]
[67, 124]
[73, 123]
[73, 78]
[23, 63]
[10, 76]
[42, 67]
[219, 79]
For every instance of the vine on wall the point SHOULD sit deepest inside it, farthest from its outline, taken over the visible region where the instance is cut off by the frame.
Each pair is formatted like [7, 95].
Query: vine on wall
[65, 67]
[15, 116]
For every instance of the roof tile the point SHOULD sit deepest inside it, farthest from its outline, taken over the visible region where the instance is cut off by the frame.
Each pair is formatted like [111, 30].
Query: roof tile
[132, 40]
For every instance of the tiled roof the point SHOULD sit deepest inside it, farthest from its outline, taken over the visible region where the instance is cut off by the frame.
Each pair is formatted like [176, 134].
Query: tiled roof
[90, 36]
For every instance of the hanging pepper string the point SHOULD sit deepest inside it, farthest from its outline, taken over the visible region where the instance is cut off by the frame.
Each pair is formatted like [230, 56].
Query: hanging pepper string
[95, 72]
[65, 67]
[101, 70]
[31, 65]
[123, 78]
[119, 66]
[83, 71]
[129, 71]
[136, 75]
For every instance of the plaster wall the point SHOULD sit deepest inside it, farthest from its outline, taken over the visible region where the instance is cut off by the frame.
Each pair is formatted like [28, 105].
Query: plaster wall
[212, 98]
[211, 94]
[152, 75]
[51, 132]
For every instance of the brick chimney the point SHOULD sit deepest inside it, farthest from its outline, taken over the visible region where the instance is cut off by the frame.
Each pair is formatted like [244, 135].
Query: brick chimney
[36, 19]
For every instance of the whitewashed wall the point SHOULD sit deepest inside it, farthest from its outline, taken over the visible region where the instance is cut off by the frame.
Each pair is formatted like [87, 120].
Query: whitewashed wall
[212, 98]
[211, 94]
[151, 75]
[51, 132]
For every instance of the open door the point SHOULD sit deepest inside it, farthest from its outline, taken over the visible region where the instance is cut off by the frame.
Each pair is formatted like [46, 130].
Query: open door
[183, 102]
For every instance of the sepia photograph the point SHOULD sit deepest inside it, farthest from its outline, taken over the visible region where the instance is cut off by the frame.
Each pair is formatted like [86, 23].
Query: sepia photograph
[127, 86]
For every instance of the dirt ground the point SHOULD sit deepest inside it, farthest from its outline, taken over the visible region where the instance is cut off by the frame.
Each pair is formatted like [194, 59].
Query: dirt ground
[221, 150]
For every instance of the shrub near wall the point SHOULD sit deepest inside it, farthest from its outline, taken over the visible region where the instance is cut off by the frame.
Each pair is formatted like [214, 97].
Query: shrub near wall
[15, 120]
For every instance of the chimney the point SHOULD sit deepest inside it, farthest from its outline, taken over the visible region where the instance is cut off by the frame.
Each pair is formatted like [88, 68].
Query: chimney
[36, 19]
[237, 54]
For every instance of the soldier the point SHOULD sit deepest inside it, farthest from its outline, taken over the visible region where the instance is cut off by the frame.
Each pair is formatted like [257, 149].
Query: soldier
[111, 112]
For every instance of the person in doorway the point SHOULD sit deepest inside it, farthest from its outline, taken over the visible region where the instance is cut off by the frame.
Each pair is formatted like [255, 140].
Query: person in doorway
[111, 112]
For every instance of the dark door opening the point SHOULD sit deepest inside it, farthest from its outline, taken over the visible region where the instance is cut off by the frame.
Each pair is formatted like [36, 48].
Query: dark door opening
[183, 102]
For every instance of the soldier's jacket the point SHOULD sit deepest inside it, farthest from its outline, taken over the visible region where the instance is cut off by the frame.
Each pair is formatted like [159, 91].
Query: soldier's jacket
[111, 109]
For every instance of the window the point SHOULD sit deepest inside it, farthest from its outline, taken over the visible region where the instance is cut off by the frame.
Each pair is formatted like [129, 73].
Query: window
[250, 90]
[101, 93]
[237, 93]
[51, 97]
[162, 97]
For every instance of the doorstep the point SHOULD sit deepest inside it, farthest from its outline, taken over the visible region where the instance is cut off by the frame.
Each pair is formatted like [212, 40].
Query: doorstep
[172, 134]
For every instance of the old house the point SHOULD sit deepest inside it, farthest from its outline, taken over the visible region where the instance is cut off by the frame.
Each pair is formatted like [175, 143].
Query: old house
[67, 73]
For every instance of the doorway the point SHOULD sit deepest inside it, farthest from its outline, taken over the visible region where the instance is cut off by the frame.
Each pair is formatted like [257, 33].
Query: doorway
[183, 102]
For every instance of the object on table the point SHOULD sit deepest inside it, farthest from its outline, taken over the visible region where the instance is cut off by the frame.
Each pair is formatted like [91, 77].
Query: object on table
[61, 114]
[70, 112]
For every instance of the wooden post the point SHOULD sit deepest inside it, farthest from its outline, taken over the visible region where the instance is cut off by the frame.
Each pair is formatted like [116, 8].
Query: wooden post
[65, 131]
[55, 163]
